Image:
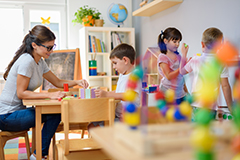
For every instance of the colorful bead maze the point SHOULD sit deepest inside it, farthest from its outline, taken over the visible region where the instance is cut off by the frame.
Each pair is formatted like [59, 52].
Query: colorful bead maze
[202, 139]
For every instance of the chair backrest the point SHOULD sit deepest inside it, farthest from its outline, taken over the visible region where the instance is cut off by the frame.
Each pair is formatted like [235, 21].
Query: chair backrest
[86, 110]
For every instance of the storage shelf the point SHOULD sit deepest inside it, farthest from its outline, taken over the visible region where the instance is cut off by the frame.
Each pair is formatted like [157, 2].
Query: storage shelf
[155, 7]
[103, 62]
[99, 53]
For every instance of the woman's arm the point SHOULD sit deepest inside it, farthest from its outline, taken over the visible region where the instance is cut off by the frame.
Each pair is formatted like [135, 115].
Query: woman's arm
[23, 93]
[227, 92]
[59, 82]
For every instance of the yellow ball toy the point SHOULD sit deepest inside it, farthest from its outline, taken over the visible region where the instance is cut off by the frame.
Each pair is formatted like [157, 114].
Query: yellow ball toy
[133, 78]
[129, 95]
[236, 157]
[169, 96]
[132, 119]
[185, 109]
[202, 139]
[170, 114]
[207, 95]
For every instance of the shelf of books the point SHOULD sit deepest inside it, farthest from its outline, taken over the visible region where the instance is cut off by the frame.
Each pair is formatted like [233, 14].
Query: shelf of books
[96, 44]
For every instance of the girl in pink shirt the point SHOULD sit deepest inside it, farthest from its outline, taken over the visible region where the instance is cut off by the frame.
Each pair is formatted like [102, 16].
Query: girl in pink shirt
[169, 62]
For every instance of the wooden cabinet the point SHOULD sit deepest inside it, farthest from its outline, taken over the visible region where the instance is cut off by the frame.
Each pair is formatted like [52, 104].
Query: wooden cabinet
[155, 7]
[108, 76]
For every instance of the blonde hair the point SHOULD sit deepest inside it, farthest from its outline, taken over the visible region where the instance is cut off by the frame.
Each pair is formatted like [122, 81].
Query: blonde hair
[211, 36]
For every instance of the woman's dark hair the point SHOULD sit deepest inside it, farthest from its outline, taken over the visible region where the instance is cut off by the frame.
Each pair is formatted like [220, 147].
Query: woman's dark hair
[169, 34]
[39, 34]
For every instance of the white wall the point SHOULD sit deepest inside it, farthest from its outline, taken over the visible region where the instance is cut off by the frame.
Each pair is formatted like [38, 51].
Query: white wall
[191, 17]
[102, 6]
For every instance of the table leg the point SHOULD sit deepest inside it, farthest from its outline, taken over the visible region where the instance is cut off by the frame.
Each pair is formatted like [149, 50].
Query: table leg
[38, 132]
[33, 139]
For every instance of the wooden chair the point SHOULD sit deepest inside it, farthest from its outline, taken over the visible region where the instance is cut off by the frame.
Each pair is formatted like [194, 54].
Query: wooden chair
[81, 111]
[5, 136]
[76, 126]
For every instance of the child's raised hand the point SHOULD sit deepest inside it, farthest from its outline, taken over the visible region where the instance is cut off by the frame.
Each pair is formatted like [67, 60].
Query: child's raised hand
[184, 49]
[56, 95]
[100, 93]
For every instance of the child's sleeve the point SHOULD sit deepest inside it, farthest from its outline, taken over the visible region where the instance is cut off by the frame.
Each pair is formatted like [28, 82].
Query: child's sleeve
[162, 58]
[188, 66]
[225, 73]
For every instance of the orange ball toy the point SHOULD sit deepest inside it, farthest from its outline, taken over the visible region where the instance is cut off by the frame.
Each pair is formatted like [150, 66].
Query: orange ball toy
[236, 143]
[227, 53]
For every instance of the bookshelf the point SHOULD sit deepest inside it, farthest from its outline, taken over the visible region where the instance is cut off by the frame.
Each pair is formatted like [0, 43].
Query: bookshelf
[127, 35]
[155, 7]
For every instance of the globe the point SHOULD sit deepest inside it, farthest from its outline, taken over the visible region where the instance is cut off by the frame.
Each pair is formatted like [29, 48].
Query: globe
[117, 13]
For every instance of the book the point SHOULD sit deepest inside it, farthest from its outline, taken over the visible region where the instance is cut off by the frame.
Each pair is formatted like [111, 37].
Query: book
[111, 40]
[99, 45]
[93, 44]
[116, 39]
[123, 37]
[90, 43]
[104, 48]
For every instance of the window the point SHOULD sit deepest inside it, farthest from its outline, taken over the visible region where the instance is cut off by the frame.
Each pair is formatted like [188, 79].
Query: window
[50, 19]
[55, 14]
[11, 36]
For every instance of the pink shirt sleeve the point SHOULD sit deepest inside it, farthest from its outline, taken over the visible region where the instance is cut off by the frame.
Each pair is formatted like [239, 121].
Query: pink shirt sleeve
[188, 66]
[162, 58]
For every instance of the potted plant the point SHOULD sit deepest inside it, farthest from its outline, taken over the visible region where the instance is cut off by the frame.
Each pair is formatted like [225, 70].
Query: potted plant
[86, 16]
[99, 22]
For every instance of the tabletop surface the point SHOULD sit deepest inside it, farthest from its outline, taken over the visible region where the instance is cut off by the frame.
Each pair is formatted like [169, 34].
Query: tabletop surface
[31, 102]
[118, 150]
[105, 137]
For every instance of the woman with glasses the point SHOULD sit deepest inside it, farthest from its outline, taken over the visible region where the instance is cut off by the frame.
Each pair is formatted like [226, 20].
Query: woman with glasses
[23, 75]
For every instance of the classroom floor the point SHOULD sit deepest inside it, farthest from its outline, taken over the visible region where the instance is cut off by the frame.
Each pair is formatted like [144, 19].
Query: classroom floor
[15, 149]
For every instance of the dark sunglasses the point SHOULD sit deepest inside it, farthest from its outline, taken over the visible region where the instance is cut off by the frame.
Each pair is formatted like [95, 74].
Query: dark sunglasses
[48, 48]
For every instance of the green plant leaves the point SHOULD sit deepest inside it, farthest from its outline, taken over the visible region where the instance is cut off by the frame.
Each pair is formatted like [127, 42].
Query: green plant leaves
[85, 11]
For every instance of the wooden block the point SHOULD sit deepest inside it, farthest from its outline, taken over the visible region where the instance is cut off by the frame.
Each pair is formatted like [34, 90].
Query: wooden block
[82, 93]
[87, 93]
[93, 93]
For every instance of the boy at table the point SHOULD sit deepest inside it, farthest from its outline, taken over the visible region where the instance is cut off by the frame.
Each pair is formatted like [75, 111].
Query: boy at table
[23, 75]
[123, 59]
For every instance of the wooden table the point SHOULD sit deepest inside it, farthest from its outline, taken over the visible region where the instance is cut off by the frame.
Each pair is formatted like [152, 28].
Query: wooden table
[41, 107]
[120, 151]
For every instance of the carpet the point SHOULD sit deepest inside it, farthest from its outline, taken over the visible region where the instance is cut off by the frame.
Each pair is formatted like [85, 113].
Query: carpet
[15, 149]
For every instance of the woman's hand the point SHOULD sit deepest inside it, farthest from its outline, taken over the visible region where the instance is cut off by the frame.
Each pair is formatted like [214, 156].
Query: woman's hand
[56, 95]
[184, 49]
[100, 93]
[83, 83]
